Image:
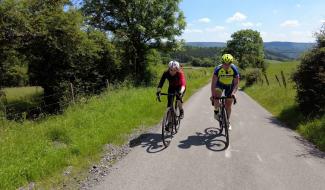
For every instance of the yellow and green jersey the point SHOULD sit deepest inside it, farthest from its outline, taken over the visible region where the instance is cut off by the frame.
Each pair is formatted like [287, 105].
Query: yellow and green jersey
[226, 77]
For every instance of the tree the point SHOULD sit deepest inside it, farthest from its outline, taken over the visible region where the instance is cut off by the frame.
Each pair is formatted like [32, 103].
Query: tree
[13, 26]
[310, 79]
[139, 25]
[247, 47]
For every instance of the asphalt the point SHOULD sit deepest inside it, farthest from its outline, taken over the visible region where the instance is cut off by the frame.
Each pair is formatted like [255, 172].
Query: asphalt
[263, 154]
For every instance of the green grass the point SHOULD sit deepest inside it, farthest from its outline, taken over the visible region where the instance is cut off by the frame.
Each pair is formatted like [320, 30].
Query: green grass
[20, 99]
[40, 151]
[314, 131]
[281, 102]
[17, 94]
[278, 100]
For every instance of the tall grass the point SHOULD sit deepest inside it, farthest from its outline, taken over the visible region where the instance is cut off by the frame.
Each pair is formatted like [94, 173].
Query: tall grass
[280, 101]
[38, 151]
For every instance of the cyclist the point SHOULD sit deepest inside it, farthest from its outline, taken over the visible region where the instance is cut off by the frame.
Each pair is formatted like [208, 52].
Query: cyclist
[225, 78]
[177, 84]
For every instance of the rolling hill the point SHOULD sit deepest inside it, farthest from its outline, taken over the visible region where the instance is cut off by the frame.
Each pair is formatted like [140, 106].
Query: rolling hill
[273, 50]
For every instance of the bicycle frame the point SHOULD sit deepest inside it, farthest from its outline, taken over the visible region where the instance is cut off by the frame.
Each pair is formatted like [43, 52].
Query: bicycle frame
[224, 122]
[171, 118]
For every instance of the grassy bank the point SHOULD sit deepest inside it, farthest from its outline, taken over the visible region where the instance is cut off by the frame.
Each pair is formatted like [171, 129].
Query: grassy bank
[40, 151]
[280, 101]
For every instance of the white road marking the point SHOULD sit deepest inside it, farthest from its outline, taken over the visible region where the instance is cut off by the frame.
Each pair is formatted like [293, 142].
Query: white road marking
[259, 157]
[228, 152]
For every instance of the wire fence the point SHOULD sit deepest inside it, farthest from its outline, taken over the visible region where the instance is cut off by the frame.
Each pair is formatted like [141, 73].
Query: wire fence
[281, 81]
[35, 108]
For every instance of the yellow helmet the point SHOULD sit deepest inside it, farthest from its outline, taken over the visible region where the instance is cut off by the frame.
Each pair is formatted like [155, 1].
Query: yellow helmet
[227, 58]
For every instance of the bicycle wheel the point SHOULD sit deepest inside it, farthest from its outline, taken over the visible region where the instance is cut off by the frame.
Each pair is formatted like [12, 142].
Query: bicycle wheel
[177, 119]
[226, 126]
[221, 125]
[167, 128]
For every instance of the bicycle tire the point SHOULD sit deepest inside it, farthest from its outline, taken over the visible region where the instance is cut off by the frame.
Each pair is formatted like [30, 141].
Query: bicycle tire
[167, 123]
[177, 119]
[226, 127]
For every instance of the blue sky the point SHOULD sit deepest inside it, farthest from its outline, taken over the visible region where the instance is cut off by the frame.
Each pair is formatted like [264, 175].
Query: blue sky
[276, 20]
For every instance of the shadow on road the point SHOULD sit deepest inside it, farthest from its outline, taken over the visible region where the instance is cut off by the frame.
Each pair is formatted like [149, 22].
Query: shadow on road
[151, 141]
[210, 138]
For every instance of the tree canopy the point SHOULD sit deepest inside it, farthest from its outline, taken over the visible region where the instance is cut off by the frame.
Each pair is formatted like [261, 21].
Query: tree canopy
[138, 25]
[247, 47]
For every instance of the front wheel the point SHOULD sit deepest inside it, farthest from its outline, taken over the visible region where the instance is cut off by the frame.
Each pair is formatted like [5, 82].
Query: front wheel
[167, 128]
[226, 126]
[177, 119]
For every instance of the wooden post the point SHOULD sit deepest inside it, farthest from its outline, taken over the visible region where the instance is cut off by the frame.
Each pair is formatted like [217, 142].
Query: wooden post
[278, 80]
[3, 100]
[267, 80]
[107, 83]
[72, 92]
[284, 80]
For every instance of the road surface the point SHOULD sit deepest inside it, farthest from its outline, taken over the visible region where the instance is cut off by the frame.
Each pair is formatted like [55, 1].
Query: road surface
[262, 154]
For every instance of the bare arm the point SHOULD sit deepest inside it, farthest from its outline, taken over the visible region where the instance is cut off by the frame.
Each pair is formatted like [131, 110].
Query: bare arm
[236, 83]
[213, 85]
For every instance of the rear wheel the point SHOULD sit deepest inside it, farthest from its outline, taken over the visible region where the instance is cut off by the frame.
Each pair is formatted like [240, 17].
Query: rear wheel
[167, 128]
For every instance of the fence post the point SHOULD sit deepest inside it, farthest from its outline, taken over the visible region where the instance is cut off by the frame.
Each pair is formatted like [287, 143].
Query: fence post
[107, 83]
[267, 80]
[278, 80]
[3, 100]
[72, 92]
[284, 80]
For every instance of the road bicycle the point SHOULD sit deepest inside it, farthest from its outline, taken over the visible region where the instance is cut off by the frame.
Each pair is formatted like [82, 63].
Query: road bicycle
[171, 121]
[223, 117]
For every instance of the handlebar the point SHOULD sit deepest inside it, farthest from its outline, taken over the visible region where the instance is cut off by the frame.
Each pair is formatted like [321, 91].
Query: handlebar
[166, 94]
[227, 97]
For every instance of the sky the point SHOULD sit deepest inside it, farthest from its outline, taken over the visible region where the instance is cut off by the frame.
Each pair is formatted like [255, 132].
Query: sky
[276, 20]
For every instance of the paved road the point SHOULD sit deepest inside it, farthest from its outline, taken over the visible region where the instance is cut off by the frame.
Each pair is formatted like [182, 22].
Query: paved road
[262, 154]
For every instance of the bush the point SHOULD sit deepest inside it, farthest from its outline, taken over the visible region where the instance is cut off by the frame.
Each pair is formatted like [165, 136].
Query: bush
[310, 82]
[252, 75]
[204, 62]
[310, 79]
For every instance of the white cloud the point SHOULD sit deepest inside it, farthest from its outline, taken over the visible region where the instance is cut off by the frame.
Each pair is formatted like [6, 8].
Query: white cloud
[193, 31]
[248, 24]
[251, 24]
[204, 20]
[237, 17]
[322, 21]
[290, 23]
[215, 29]
[222, 36]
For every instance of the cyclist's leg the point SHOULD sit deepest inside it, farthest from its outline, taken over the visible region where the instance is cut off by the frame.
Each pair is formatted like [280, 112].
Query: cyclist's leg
[219, 89]
[228, 91]
[180, 104]
[170, 98]
[180, 100]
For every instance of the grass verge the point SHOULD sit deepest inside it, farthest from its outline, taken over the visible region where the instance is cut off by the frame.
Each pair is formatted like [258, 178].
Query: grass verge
[40, 151]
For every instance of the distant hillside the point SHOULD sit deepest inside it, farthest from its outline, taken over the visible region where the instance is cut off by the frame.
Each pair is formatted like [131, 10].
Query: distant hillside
[206, 44]
[289, 49]
[273, 50]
